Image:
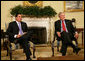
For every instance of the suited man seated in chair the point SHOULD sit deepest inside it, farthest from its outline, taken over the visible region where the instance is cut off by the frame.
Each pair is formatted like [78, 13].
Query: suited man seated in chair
[18, 33]
[65, 32]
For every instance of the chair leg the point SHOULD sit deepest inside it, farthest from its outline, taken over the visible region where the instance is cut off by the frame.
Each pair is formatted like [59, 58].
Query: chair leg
[52, 49]
[10, 52]
[34, 51]
[10, 55]
[7, 51]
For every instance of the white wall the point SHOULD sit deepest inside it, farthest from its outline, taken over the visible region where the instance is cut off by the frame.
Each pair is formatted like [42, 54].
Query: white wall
[57, 5]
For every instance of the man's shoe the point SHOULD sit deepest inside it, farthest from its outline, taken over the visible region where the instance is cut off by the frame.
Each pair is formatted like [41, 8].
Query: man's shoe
[28, 59]
[34, 57]
[78, 50]
[74, 51]
[63, 54]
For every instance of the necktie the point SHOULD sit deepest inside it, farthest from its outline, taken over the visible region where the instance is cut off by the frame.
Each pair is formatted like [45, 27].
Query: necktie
[63, 26]
[21, 32]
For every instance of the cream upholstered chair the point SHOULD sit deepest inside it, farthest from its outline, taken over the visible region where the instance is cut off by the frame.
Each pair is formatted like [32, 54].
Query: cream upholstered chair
[11, 45]
[74, 24]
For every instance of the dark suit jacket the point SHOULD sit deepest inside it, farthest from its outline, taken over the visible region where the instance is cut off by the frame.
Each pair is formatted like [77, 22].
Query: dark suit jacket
[14, 29]
[69, 26]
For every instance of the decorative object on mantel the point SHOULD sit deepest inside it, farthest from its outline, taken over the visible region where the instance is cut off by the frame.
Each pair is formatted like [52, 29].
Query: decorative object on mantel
[33, 3]
[33, 11]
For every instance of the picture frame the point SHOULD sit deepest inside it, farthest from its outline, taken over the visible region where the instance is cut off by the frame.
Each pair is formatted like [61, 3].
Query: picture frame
[73, 6]
[33, 3]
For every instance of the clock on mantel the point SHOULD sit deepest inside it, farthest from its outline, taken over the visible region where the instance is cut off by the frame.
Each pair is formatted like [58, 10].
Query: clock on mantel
[33, 3]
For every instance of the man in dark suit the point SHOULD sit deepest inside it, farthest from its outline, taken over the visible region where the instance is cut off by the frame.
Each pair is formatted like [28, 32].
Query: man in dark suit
[18, 33]
[65, 32]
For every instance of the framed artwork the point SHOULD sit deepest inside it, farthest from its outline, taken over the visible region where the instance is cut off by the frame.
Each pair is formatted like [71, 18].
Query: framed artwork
[33, 3]
[73, 6]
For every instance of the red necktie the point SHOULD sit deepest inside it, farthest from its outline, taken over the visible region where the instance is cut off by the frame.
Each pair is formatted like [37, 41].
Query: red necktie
[63, 26]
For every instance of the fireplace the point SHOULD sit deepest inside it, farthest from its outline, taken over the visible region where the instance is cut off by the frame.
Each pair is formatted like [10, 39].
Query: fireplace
[42, 28]
[39, 35]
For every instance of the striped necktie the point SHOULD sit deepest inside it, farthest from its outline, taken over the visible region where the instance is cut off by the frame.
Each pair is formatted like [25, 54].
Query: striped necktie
[20, 29]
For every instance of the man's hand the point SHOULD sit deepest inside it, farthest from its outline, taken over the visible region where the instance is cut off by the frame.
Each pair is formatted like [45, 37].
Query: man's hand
[18, 36]
[76, 35]
[59, 35]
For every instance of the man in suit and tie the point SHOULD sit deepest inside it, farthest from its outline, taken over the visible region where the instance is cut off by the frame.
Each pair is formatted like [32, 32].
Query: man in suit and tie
[65, 32]
[18, 33]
